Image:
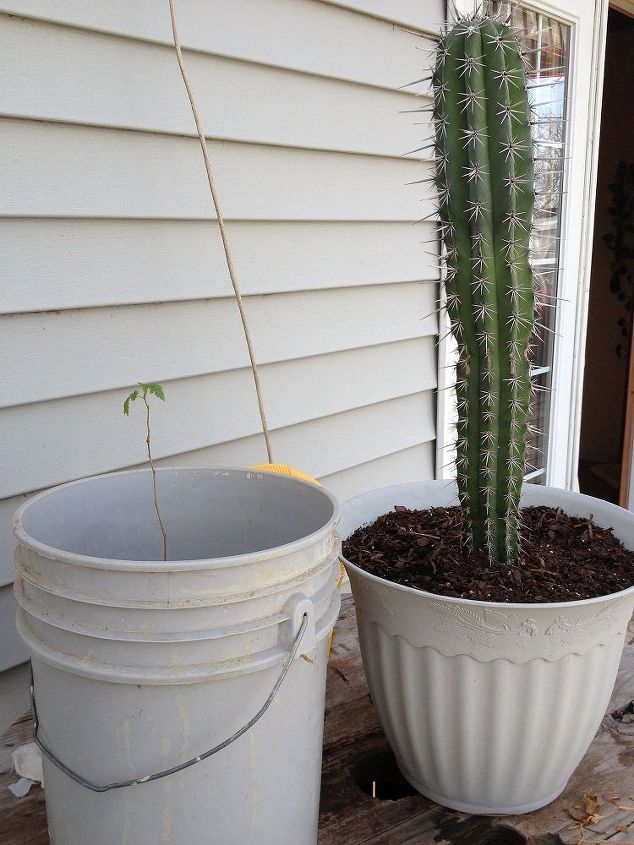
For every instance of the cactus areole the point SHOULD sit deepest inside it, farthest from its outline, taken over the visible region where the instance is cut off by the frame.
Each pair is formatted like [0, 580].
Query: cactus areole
[485, 182]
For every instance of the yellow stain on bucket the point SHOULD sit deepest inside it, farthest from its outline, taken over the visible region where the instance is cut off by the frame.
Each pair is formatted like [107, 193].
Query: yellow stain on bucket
[285, 469]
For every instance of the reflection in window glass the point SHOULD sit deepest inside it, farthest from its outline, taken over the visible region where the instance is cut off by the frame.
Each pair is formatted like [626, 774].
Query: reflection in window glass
[546, 44]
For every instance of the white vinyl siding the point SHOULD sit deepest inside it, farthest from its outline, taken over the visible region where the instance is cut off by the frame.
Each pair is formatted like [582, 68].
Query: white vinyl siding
[90, 262]
[87, 434]
[113, 268]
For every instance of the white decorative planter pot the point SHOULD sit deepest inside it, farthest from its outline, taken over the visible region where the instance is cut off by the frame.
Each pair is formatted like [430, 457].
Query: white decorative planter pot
[489, 707]
[142, 664]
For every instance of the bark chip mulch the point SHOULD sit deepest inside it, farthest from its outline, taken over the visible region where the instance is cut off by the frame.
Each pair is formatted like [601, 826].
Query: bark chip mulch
[564, 558]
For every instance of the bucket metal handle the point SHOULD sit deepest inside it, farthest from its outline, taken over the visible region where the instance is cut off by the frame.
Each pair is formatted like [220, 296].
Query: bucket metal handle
[121, 784]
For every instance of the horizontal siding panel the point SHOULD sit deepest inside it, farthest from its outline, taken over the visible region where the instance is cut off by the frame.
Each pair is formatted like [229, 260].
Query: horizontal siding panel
[13, 651]
[342, 44]
[90, 350]
[331, 444]
[57, 264]
[56, 170]
[427, 15]
[108, 81]
[413, 464]
[63, 439]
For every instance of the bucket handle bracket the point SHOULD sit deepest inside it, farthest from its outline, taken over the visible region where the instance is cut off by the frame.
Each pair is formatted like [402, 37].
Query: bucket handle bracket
[300, 608]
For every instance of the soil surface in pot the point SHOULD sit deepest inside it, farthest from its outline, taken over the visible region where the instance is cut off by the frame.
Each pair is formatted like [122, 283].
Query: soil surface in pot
[564, 558]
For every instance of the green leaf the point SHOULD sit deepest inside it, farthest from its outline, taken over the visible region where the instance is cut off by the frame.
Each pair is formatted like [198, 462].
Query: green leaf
[131, 398]
[156, 390]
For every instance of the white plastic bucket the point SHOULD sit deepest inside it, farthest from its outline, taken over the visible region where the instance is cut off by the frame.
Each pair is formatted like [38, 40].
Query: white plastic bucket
[489, 707]
[140, 664]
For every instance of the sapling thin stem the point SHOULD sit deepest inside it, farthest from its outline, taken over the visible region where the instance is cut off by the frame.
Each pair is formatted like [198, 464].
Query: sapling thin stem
[155, 390]
[148, 441]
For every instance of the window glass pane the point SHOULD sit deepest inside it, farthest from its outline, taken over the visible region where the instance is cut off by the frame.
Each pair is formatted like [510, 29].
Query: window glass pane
[546, 44]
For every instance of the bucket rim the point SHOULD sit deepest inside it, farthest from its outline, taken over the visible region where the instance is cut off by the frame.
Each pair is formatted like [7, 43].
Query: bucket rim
[184, 564]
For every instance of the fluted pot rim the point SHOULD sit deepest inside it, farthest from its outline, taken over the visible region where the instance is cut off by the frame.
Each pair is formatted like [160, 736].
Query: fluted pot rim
[530, 497]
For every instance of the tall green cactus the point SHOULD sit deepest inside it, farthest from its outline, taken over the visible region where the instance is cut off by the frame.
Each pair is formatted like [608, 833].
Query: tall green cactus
[485, 182]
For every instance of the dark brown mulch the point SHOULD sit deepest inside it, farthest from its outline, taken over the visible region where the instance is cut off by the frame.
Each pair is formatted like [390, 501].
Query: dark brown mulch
[564, 558]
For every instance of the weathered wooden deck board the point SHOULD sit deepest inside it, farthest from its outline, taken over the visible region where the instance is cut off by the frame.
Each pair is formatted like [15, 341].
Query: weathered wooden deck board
[22, 820]
[355, 748]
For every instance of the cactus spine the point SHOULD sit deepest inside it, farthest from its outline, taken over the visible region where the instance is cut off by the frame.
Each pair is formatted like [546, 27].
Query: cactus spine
[485, 182]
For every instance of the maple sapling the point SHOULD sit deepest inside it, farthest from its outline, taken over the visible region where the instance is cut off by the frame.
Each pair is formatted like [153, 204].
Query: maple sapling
[143, 391]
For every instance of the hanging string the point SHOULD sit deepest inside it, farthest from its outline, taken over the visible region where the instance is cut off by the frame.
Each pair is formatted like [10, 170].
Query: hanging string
[223, 232]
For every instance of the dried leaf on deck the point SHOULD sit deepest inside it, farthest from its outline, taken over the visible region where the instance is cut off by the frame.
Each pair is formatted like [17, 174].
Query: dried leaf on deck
[591, 809]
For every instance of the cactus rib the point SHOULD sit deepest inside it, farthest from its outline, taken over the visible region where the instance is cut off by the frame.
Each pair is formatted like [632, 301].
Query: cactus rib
[484, 177]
